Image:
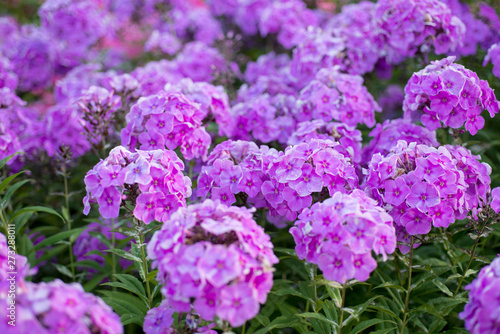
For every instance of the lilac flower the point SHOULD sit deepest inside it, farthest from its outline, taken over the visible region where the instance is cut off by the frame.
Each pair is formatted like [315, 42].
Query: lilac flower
[237, 304]
[109, 202]
[493, 56]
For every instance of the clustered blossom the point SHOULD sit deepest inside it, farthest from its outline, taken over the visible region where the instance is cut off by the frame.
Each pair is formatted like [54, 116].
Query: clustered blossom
[48, 308]
[151, 183]
[386, 136]
[57, 307]
[354, 27]
[282, 182]
[214, 259]
[348, 136]
[342, 97]
[288, 19]
[213, 100]
[447, 94]
[159, 320]
[408, 27]
[167, 120]
[482, 312]
[340, 233]
[493, 56]
[422, 186]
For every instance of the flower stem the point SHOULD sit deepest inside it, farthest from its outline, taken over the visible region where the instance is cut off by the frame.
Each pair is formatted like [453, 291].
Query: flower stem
[471, 257]
[342, 309]
[146, 272]
[66, 197]
[113, 246]
[408, 290]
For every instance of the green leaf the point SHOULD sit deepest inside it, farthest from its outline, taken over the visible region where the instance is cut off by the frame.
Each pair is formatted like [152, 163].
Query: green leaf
[11, 191]
[130, 318]
[125, 287]
[58, 237]
[50, 254]
[441, 286]
[317, 316]
[124, 254]
[133, 282]
[6, 159]
[367, 324]
[140, 268]
[93, 282]
[8, 180]
[63, 270]
[37, 209]
[292, 292]
[280, 322]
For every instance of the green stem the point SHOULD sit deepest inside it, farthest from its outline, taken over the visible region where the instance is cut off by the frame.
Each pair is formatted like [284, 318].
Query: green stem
[66, 197]
[471, 258]
[408, 290]
[315, 288]
[113, 246]
[342, 309]
[146, 271]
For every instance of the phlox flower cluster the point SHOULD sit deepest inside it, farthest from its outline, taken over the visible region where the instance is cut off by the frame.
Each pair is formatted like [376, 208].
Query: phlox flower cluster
[150, 184]
[348, 136]
[159, 320]
[476, 31]
[53, 307]
[214, 259]
[422, 186]
[167, 120]
[493, 56]
[482, 312]
[338, 96]
[76, 25]
[447, 94]
[408, 27]
[282, 182]
[8, 257]
[489, 16]
[287, 19]
[353, 25]
[386, 136]
[213, 100]
[56, 307]
[340, 233]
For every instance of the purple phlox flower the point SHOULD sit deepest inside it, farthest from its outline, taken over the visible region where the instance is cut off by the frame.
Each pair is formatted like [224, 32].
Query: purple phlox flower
[416, 222]
[308, 182]
[109, 202]
[423, 196]
[145, 207]
[138, 172]
[219, 265]
[223, 194]
[396, 191]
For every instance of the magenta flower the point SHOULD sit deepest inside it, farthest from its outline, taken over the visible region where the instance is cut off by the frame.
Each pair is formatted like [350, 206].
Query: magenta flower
[224, 195]
[145, 207]
[396, 191]
[443, 102]
[237, 304]
[337, 266]
[308, 182]
[220, 265]
[272, 192]
[138, 172]
[423, 196]
[159, 320]
[363, 264]
[109, 203]
[416, 222]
